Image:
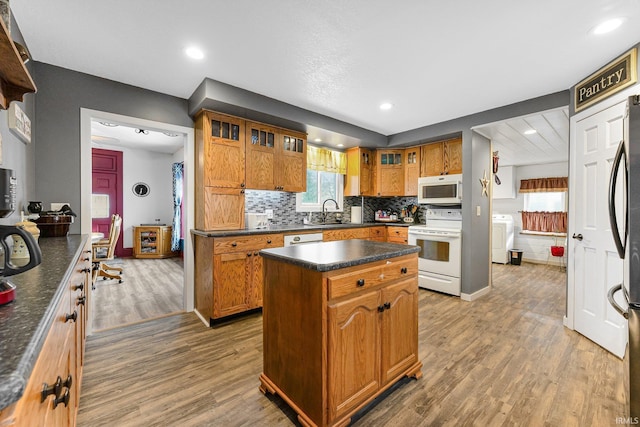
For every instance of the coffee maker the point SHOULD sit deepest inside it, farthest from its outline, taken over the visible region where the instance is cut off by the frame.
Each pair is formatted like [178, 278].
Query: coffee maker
[9, 234]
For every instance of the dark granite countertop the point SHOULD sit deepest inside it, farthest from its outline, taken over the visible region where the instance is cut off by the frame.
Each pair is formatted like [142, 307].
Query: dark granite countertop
[327, 256]
[292, 228]
[25, 322]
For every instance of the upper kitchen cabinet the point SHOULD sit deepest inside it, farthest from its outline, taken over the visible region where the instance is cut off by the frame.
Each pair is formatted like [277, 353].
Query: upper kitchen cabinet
[15, 80]
[389, 173]
[220, 181]
[276, 159]
[359, 165]
[223, 151]
[411, 171]
[441, 158]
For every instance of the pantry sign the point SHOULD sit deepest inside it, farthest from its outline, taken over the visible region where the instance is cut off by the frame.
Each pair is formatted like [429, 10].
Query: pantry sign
[617, 75]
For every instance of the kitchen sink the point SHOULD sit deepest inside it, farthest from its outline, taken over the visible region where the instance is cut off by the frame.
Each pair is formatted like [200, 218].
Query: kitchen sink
[316, 224]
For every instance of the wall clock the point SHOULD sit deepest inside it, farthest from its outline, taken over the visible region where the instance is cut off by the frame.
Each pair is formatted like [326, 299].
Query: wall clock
[141, 189]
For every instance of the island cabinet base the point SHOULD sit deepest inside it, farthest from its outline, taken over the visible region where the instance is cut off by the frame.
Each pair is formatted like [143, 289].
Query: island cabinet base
[335, 340]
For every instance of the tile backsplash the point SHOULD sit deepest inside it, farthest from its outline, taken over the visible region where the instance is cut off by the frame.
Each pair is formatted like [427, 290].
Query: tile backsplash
[284, 206]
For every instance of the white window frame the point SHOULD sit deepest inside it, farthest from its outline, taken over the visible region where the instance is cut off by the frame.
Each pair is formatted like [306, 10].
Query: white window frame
[564, 200]
[317, 207]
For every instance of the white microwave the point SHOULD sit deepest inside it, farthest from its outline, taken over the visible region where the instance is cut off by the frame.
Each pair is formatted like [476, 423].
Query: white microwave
[440, 190]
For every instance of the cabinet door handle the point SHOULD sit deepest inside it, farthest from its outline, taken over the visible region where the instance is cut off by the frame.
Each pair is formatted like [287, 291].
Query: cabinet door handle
[403, 270]
[242, 191]
[50, 389]
[68, 382]
[248, 254]
[62, 399]
[360, 282]
[85, 270]
[380, 308]
[86, 259]
[269, 241]
[387, 305]
[81, 300]
[234, 244]
[73, 316]
[242, 185]
[255, 254]
[77, 287]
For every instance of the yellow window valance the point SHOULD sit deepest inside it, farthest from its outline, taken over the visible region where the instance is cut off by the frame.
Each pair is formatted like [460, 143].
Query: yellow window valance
[541, 185]
[325, 160]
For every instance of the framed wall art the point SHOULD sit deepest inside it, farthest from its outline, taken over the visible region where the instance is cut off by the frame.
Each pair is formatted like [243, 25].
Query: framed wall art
[19, 123]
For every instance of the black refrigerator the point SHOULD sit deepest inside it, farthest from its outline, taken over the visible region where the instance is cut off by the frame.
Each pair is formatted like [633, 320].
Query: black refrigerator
[626, 235]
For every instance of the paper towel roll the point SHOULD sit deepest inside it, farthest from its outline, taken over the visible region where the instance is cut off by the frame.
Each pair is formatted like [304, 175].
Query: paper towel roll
[356, 214]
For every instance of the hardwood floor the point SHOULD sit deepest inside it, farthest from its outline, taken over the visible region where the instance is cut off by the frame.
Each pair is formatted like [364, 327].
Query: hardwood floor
[150, 288]
[503, 360]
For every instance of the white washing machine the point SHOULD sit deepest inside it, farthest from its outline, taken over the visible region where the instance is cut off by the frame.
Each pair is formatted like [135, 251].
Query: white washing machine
[501, 238]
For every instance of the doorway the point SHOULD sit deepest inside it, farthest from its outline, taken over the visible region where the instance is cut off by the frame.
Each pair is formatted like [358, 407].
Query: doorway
[186, 135]
[526, 148]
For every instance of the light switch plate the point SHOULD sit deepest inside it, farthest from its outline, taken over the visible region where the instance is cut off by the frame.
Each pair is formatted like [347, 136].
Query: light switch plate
[478, 210]
[269, 213]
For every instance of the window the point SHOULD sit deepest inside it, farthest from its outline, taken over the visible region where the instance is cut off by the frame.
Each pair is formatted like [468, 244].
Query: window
[545, 202]
[320, 187]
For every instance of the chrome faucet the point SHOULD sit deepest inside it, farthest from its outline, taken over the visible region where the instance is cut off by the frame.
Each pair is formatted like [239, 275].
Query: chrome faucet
[324, 212]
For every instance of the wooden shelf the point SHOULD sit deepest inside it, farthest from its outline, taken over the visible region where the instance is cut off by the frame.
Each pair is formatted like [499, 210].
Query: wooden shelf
[15, 80]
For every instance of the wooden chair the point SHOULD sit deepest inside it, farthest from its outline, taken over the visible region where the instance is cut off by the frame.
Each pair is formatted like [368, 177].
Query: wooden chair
[104, 250]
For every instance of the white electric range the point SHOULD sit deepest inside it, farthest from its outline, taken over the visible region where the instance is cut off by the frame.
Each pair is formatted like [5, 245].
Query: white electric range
[440, 241]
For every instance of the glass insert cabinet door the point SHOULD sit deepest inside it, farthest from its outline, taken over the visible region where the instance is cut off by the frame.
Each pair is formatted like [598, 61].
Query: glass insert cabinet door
[148, 242]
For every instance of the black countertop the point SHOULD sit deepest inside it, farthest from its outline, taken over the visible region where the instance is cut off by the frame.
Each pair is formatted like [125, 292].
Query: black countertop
[293, 228]
[327, 256]
[25, 322]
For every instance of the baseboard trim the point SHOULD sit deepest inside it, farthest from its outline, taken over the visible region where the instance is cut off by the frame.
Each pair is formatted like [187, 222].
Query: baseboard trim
[205, 321]
[477, 294]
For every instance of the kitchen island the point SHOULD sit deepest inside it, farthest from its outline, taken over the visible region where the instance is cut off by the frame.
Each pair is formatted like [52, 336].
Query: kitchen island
[340, 325]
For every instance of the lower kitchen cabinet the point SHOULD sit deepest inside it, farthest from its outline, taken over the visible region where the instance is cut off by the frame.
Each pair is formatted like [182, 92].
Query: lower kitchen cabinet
[345, 233]
[228, 273]
[335, 340]
[377, 234]
[397, 234]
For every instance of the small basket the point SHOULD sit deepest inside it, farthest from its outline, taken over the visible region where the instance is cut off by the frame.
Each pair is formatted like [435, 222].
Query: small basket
[557, 251]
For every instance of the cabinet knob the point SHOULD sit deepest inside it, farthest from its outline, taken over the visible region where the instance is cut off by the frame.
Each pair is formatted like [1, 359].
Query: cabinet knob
[234, 244]
[255, 254]
[73, 316]
[248, 253]
[68, 382]
[86, 259]
[403, 270]
[78, 287]
[387, 305]
[381, 308]
[81, 300]
[85, 270]
[269, 241]
[62, 399]
[360, 282]
[242, 191]
[242, 185]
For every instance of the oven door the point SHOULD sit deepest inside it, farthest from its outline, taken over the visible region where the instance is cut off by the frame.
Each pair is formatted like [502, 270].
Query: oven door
[439, 251]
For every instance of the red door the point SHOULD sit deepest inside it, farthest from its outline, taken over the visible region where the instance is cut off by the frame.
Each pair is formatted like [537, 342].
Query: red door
[106, 191]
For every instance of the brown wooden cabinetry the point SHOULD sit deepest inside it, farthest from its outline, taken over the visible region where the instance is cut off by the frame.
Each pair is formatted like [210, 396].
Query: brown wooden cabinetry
[291, 174]
[52, 394]
[220, 175]
[377, 234]
[389, 173]
[441, 158]
[359, 165]
[357, 335]
[397, 234]
[152, 241]
[228, 273]
[411, 171]
[345, 233]
[15, 80]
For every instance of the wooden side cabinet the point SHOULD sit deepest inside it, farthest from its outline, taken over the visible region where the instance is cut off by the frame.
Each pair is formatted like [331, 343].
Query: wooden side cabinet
[152, 241]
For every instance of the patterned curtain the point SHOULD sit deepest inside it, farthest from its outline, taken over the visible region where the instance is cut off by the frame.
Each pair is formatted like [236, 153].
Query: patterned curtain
[324, 160]
[540, 185]
[548, 222]
[178, 172]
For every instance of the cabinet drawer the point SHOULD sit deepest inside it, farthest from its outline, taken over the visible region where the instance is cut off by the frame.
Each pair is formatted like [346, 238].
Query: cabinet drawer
[376, 232]
[243, 243]
[400, 268]
[356, 281]
[398, 232]
[345, 234]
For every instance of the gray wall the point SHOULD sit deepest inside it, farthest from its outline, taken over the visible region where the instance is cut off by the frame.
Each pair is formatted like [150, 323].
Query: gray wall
[17, 155]
[61, 94]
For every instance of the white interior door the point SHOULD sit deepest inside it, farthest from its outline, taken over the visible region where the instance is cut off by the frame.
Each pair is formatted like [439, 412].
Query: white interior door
[597, 266]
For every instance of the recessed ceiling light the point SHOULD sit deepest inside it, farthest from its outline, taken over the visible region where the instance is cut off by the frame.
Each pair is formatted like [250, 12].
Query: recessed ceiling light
[386, 106]
[194, 52]
[340, 145]
[530, 132]
[607, 26]
[317, 140]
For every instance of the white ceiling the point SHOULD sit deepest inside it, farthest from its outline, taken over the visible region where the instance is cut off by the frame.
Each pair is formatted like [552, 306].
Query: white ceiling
[123, 136]
[433, 60]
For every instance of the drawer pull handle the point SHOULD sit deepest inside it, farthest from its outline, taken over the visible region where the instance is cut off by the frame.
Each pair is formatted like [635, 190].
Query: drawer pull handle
[62, 399]
[248, 254]
[77, 287]
[380, 308]
[73, 316]
[50, 389]
[234, 244]
[255, 254]
[387, 305]
[86, 259]
[81, 300]
[360, 282]
[85, 270]
[269, 241]
[403, 270]
[68, 382]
